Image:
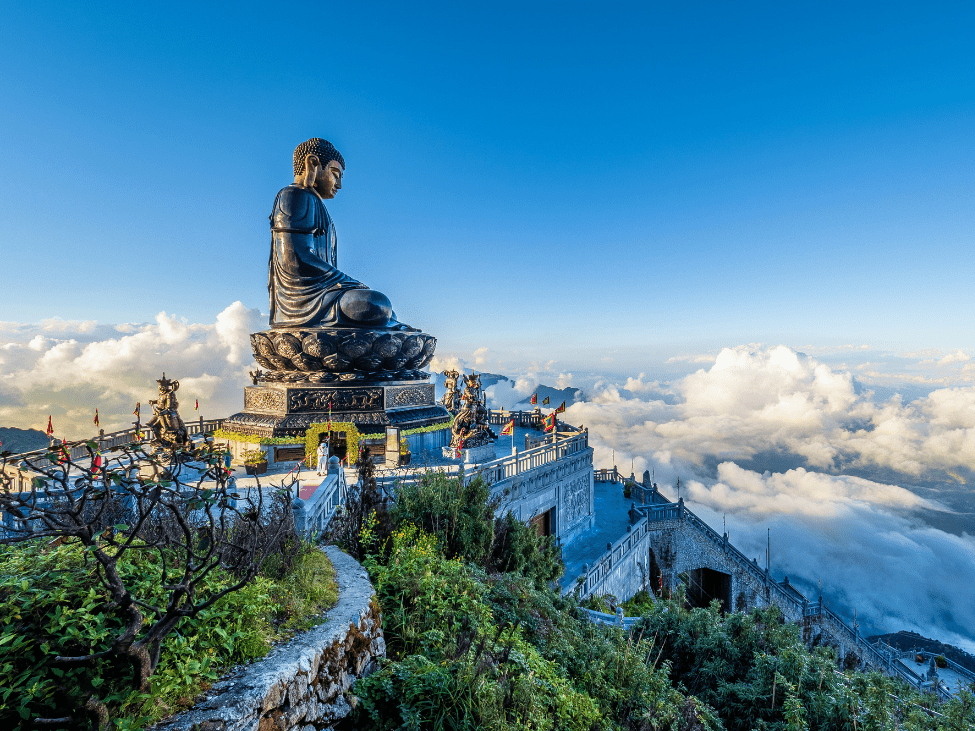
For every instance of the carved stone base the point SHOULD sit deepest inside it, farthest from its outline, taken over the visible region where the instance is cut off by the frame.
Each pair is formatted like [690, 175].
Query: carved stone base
[288, 409]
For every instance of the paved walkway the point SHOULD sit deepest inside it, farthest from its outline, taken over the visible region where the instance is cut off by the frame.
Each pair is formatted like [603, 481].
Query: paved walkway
[612, 516]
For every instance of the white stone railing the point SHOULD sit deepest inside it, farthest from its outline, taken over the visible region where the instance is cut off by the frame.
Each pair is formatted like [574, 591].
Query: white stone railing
[592, 578]
[314, 514]
[112, 439]
[507, 467]
[617, 620]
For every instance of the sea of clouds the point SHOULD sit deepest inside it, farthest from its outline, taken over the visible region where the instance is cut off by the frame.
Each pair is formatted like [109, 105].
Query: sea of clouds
[860, 488]
[871, 496]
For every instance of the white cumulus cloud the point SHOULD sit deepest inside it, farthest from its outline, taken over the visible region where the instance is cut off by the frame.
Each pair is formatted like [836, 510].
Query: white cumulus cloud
[66, 369]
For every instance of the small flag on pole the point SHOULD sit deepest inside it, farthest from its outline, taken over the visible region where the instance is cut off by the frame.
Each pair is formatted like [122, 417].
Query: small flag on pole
[545, 402]
[197, 406]
[460, 448]
[561, 408]
[138, 408]
[550, 422]
[95, 420]
[509, 428]
[96, 462]
[50, 427]
[534, 399]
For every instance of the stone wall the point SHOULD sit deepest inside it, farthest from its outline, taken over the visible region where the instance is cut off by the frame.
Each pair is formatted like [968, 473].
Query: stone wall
[302, 684]
[680, 547]
[565, 485]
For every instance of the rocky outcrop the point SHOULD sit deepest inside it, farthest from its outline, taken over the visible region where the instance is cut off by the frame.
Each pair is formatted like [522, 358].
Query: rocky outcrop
[302, 684]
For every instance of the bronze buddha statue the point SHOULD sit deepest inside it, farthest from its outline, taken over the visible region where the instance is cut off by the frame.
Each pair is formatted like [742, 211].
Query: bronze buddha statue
[325, 325]
[306, 287]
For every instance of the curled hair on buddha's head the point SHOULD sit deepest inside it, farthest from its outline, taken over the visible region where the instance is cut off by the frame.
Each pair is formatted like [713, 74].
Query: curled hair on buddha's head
[322, 149]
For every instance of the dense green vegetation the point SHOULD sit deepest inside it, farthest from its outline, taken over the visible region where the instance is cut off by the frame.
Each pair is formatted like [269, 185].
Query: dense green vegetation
[477, 639]
[51, 603]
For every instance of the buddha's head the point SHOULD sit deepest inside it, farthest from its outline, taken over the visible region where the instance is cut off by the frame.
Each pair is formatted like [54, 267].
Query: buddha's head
[320, 166]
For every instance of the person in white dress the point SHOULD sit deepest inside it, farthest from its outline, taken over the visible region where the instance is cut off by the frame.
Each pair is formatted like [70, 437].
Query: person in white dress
[322, 458]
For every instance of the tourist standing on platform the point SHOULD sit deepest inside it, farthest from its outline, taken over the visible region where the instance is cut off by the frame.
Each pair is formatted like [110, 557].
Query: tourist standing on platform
[322, 457]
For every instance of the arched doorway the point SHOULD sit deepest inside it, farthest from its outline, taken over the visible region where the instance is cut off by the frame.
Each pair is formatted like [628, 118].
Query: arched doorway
[338, 445]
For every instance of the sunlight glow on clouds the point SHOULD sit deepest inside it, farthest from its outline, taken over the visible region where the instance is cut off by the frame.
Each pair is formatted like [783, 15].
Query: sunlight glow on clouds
[67, 369]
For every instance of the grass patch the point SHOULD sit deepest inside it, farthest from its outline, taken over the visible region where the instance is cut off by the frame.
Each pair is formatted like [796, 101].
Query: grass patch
[306, 592]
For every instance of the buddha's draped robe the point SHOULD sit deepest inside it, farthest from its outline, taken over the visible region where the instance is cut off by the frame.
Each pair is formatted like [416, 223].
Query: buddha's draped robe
[303, 279]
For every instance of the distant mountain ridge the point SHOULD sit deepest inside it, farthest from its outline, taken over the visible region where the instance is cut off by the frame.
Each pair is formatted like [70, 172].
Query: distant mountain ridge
[489, 379]
[17, 440]
[557, 395]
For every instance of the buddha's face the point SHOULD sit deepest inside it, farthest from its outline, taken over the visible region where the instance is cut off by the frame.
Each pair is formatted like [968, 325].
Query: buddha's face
[328, 182]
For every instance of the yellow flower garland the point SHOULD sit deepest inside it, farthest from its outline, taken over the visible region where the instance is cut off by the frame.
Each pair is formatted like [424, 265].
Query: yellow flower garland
[352, 438]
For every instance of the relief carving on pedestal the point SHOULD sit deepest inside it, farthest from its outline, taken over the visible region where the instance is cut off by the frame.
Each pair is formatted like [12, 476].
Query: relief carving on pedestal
[368, 399]
[264, 400]
[412, 395]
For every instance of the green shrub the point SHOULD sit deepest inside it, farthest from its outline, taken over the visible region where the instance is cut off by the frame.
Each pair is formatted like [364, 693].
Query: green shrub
[517, 548]
[450, 665]
[463, 518]
[51, 603]
[308, 588]
[457, 514]
[255, 457]
[468, 650]
[640, 603]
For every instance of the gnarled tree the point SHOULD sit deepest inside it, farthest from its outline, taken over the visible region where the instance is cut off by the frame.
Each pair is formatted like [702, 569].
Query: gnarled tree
[181, 505]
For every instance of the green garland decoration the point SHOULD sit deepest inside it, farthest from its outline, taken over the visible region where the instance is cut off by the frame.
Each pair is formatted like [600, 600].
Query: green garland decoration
[352, 438]
[433, 427]
[253, 439]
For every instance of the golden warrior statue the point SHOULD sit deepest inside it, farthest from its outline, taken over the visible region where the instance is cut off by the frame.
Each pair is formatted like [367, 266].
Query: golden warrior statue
[168, 429]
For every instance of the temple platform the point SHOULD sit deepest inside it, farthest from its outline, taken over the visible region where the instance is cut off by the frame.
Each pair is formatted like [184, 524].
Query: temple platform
[289, 409]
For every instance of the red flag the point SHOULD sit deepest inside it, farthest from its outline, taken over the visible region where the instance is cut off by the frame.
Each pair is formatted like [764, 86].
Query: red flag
[534, 398]
[550, 422]
[95, 420]
[509, 428]
[197, 407]
[460, 448]
[561, 408]
[50, 427]
[96, 462]
[138, 408]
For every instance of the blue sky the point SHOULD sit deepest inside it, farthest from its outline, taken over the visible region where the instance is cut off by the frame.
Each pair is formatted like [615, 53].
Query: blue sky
[652, 175]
